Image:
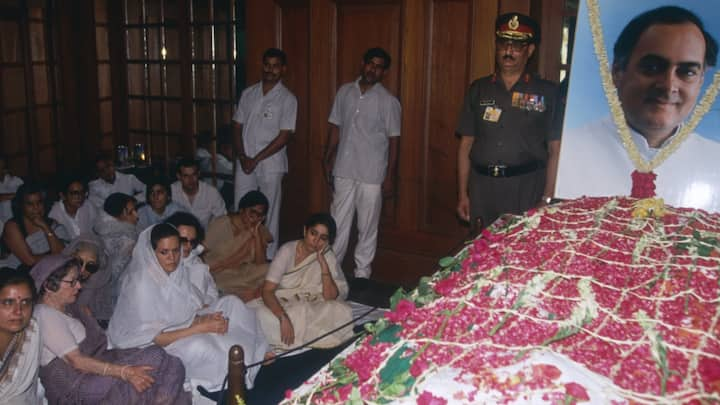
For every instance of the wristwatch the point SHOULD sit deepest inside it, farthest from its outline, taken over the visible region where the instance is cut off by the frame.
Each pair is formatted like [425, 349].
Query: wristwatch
[546, 199]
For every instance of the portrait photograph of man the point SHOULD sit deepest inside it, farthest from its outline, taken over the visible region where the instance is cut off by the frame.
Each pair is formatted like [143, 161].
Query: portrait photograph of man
[651, 129]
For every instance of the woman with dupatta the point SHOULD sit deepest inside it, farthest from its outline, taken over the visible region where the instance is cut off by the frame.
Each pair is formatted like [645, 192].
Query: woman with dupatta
[236, 248]
[304, 292]
[19, 340]
[158, 304]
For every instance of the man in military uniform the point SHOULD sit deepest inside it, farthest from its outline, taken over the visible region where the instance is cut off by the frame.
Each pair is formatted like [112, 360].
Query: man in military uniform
[509, 131]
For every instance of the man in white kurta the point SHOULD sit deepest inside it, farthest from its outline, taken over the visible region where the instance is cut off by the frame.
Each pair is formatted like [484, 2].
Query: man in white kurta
[264, 120]
[111, 181]
[8, 185]
[660, 61]
[362, 152]
[686, 179]
[197, 197]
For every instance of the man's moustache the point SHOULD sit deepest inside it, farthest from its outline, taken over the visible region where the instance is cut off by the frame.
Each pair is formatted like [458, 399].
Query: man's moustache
[509, 57]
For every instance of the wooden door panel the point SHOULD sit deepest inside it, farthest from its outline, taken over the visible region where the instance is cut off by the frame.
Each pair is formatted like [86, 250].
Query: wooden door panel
[295, 41]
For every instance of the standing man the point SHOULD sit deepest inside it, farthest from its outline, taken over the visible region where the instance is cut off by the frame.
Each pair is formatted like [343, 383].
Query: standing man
[264, 121]
[362, 152]
[199, 198]
[509, 131]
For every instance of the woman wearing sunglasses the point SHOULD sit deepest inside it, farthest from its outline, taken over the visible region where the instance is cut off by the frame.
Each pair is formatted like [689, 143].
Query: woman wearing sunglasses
[94, 274]
[75, 365]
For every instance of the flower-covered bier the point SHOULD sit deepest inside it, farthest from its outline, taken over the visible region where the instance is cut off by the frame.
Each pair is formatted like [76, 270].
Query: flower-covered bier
[582, 301]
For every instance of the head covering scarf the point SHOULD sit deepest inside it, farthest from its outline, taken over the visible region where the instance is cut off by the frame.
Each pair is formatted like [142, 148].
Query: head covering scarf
[151, 301]
[96, 291]
[45, 267]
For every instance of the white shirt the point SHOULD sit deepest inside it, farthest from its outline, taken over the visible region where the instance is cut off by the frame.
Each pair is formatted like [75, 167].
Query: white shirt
[366, 122]
[263, 116]
[8, 184]
[124, 183]
[81, 223]
[207, 203]
[60, 333]
[593, 162]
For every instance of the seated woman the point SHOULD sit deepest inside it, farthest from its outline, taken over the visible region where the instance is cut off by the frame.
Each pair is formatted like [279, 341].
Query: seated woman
[159, 205]
[191, 234]
[94, 274]
[117, 228]
[304, 291]
[74, 212]
[30, 235]
[236, 245]
[19, 340]
[76, 366]
[158, 304]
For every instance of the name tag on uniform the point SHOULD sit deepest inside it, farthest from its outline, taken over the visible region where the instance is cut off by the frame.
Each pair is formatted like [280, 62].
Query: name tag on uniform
[483, 103]
[492, 114]
[267, 114]
[529, 102]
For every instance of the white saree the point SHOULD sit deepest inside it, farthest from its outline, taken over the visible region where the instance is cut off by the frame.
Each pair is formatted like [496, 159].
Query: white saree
[152, 301]
[19, 369]
[300, 294]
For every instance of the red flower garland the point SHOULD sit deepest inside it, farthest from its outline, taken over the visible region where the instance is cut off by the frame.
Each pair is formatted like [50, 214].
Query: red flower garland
[643, 184]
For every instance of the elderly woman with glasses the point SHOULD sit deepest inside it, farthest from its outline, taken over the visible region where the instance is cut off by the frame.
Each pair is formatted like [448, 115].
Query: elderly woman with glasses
[75, 365]
[94, 274]
[236, 248]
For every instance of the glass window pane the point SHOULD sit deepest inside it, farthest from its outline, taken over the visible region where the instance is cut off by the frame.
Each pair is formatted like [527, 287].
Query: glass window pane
[43, 117]
[172, 8]
[135, 43]
[136, 79]
[203, 81]
[172, 78]
[101, 43]
[221, 43]
[104, 83]
[152, 11]
[174, 114]
[157, 117]
[222, 10]
[223, 83]
[40, 84]
[37, 42]
[101, 12]
[155, 80]
[10, 41]
[14, 135]
[202, 43]
[13, 80]
[154, 43]
[172, 44]
[136, 112]
[106, 116]
[133, 11]
[201, 11]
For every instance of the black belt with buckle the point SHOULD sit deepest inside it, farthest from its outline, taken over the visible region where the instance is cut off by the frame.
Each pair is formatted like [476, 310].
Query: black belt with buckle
[500, 170]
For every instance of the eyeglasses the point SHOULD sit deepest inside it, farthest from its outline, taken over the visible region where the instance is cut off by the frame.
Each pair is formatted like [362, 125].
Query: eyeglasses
[192, 242]
[516, 46]
[90, 267]
[72, 282]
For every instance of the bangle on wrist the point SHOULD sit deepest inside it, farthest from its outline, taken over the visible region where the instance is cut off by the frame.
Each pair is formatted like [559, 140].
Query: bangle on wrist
[122, 372]
[105, 369]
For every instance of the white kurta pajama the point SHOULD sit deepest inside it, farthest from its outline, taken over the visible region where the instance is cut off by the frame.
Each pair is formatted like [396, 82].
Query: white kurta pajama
[367, 121]
[152, 302]
[263, 116]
